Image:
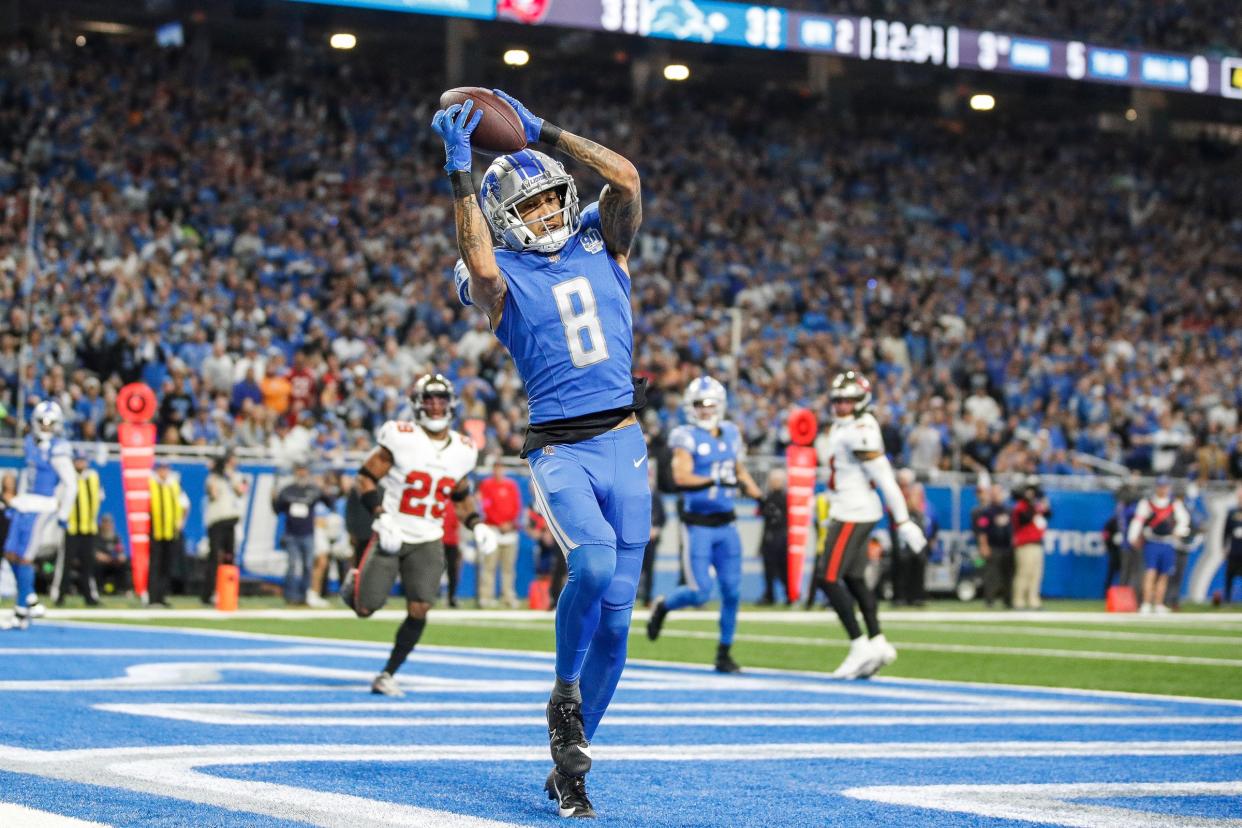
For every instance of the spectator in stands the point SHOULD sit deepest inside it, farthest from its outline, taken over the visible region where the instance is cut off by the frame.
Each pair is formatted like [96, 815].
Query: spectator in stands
[501, 504]
[1231, 540]
[1047, 312]
[1030, 517]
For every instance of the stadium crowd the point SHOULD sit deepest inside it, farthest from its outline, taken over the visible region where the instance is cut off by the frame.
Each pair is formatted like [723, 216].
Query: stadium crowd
[1194, 26]
[272, 253]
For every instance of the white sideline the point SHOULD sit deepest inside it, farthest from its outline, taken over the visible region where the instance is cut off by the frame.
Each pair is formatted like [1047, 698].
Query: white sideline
[1229, 620]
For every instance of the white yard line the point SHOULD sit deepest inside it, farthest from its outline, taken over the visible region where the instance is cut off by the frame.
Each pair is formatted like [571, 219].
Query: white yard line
[1060, 804]
[1046, 632]
[20, 816]
[244, 716]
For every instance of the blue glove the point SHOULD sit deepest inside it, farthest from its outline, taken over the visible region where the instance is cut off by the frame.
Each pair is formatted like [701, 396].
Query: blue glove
[454, 125]
[530, 123]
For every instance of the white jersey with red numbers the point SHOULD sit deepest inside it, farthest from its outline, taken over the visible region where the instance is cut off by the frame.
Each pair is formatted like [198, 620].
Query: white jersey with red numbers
[852, 498]
[419, 486]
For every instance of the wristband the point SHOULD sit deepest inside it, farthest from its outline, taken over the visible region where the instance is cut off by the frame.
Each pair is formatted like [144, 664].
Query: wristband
[550, 133]
[462, 183]
[471, 520]
[371, 500]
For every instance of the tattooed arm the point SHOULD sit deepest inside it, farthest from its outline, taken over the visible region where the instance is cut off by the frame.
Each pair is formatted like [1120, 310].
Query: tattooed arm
[474, 244]
[474, 238]
[620, 204]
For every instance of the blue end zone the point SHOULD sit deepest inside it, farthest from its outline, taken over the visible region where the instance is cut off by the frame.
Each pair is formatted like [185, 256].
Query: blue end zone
[132, 726]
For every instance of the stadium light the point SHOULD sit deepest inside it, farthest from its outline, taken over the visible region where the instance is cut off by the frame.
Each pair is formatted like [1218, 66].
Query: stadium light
[516, 57]
[982, 103]
[676, 72]
[342, 40]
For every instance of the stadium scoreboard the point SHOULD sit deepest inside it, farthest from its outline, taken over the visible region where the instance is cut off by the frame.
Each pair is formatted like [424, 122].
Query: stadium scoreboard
[860, 38]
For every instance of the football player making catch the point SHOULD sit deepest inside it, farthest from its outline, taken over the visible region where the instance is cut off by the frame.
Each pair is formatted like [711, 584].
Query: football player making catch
[557, 294]
[857, 470]
[706, 468]
[422, 467]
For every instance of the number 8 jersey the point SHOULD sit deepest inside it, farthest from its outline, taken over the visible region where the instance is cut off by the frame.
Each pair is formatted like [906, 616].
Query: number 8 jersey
[568, 326]
[424, 473]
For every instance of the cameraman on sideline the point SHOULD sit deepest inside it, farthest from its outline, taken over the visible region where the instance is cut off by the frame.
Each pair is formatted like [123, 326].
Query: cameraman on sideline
[1030, 520]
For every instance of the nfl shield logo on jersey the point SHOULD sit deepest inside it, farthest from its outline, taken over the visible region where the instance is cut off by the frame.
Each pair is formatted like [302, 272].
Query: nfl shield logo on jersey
[592, 241]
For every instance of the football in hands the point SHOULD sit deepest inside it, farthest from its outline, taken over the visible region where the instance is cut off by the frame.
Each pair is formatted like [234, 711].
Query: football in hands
[500, 130]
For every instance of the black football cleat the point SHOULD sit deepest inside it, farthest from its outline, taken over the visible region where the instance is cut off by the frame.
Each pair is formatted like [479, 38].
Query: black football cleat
[725, 662]
[570, 795]
[656, 622]
[571, 752]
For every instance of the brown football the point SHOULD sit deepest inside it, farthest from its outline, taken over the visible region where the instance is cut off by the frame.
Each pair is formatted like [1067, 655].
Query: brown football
[501, 128]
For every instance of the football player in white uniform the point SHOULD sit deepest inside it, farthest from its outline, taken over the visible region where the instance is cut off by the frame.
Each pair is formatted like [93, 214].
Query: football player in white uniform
[421, 467]
[857, 470]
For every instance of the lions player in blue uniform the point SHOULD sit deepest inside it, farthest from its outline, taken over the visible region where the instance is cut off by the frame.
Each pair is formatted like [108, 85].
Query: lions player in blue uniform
[706, 467]
[557, 294]
[49, 487]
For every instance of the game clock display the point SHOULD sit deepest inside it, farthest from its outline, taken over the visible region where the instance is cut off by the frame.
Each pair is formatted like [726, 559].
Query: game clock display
[869, 38]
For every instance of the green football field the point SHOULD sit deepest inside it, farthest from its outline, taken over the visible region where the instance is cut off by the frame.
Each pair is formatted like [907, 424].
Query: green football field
[1069, 644]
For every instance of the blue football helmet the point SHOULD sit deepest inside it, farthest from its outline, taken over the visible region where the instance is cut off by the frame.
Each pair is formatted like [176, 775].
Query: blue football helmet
[704, 401]
[510, 180]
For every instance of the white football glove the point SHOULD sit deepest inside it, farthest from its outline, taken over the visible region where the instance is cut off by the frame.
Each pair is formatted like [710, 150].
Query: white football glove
[912, 536]
[486, 539]
[385, 529]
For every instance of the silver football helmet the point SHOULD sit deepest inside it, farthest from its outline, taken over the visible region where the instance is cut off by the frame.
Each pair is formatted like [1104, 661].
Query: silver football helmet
[47, 420]
[853, 387]
[434, 400]
[705, 400]
[510, 180]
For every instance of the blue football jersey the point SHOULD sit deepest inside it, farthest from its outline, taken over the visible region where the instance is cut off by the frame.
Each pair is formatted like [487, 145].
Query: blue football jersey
[568, 326]
[711, 454]
[41, 476]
